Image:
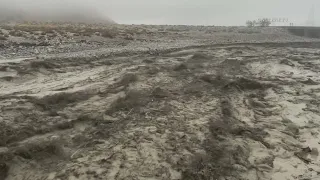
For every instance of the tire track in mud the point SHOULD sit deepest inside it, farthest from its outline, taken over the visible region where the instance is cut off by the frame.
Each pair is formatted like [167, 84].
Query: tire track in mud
[196, 114]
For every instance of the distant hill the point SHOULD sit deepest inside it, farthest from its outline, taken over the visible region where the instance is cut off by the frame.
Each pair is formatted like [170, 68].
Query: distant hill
[63, 15]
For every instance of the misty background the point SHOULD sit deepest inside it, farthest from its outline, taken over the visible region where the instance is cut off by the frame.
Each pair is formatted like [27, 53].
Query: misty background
[191, 12]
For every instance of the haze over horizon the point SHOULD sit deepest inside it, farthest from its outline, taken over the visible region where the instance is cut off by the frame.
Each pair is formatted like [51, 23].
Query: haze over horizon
[200, 12]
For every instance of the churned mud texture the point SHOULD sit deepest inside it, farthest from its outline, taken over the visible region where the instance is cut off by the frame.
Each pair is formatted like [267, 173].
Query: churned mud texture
[158, 102]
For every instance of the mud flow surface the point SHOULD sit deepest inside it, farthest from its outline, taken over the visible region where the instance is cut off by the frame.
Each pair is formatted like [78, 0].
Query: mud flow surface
[229, 112]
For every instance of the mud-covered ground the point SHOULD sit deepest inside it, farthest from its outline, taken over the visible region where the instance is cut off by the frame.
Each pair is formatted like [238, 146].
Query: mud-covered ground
[185, 103]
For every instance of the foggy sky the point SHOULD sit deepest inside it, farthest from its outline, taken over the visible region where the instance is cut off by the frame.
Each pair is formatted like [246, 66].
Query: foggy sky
[196, 12]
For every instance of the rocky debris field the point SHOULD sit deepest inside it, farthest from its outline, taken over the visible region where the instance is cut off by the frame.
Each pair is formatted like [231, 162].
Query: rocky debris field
[162, 102]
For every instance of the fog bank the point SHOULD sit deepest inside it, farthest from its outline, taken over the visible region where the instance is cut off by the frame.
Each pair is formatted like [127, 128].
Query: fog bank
[52, 10]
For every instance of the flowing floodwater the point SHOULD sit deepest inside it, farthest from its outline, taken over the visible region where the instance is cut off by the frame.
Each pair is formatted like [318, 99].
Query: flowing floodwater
[183, 111]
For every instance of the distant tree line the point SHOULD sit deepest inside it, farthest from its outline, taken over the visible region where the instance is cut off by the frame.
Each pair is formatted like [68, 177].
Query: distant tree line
[265, 22]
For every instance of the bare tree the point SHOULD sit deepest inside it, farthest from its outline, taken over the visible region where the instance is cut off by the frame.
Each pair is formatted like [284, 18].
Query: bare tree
[265, 22]
[250, 23]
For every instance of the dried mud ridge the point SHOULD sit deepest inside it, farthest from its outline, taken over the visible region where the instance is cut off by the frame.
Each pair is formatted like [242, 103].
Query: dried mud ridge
[223, 112]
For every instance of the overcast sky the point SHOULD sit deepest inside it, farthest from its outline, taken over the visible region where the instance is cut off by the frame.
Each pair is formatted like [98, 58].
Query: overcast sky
[197, 12]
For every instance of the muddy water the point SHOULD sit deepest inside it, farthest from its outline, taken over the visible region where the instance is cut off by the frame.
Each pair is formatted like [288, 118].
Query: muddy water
[15, 60]
[7, 72]
[239, 112]
[299, 110]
